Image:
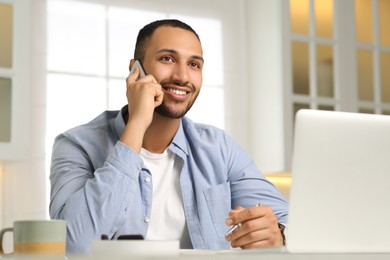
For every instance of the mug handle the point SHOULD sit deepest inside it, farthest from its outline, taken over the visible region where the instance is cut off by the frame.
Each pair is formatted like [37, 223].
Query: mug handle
[2, 232]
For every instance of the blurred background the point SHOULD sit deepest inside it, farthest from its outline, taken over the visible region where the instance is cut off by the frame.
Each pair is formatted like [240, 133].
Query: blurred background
[62, 62]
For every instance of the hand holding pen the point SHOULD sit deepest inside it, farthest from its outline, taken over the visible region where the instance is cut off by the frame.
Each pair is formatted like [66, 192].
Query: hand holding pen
[253, 227]
[237, 225]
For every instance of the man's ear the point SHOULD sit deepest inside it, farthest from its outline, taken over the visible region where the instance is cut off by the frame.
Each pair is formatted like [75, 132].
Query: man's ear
[131, 63]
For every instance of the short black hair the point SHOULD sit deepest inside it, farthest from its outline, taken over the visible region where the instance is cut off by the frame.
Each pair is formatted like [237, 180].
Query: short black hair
[147, 31]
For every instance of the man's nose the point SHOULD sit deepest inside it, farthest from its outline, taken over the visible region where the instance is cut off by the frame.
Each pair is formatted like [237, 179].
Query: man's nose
[180, 72]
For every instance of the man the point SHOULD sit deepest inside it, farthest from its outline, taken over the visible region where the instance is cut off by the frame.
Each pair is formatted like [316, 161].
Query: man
[149, 170]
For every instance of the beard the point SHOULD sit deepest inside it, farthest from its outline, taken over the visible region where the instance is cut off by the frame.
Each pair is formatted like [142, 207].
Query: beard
[165, 111]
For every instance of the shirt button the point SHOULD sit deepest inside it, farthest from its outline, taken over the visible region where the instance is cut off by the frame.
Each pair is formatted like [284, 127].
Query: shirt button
[146, 220]
[147, 179]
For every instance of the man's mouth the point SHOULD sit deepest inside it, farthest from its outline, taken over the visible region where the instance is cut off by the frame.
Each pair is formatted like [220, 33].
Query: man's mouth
[179, 92]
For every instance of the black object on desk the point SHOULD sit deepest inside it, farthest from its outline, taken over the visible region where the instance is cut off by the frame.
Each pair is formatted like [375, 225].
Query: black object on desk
[124, 237]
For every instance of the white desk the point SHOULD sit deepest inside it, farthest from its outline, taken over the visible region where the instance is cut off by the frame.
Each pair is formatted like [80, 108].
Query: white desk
[215, 255]
[243, 255]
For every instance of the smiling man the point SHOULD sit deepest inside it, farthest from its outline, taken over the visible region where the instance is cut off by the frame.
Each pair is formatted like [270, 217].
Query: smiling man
[148, 169]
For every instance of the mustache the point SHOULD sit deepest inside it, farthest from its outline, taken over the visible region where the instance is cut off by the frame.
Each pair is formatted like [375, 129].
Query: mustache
[176, 83]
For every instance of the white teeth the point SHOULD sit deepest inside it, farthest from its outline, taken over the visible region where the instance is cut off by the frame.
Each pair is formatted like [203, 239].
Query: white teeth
[177, 91]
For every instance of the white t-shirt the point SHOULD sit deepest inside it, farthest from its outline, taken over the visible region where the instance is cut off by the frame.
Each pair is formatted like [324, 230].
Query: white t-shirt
[167, 219]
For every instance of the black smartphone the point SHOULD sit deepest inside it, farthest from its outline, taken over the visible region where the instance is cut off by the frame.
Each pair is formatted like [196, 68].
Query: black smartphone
[131, 237]
[125, 237]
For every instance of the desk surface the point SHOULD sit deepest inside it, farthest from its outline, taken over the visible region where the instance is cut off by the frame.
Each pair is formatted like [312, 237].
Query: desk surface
[253, 255]
[241, 255]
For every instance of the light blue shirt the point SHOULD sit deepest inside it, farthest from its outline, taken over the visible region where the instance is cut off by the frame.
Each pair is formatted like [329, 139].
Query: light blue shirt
[98, 184]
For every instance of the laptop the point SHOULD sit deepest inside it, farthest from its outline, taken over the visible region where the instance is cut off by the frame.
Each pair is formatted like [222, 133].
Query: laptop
[340, 191]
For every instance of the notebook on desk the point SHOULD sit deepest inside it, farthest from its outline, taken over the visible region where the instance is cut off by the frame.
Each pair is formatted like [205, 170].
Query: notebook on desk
[340, 191]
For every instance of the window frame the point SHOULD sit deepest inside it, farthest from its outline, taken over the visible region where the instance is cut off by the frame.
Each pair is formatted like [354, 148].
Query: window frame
[18, 147]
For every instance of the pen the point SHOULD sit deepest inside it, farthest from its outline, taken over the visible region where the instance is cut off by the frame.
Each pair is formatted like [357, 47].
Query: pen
[236, 226]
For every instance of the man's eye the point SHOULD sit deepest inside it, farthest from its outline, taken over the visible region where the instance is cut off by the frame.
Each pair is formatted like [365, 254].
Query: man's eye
[166, 58]
[194, 65]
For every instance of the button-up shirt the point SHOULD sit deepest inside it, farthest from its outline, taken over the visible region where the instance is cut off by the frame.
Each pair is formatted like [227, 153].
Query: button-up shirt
[99, 185]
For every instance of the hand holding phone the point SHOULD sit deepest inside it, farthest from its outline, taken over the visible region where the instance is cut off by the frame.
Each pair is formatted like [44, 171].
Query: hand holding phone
[138, 65]
[143, 96]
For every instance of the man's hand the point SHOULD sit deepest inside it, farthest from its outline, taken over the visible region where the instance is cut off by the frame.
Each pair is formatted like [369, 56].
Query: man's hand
[143, 96]
[259, 228]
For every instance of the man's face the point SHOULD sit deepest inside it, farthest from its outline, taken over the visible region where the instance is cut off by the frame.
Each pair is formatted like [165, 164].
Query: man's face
[174, 58]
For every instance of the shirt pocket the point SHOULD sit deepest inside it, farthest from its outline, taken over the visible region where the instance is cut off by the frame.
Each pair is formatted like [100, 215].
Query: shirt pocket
[219, 204]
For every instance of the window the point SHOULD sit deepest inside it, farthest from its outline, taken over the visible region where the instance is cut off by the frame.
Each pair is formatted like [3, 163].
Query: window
[15, 79]
[312, 50]
[6, 70]
[339, 56]
[372, 19]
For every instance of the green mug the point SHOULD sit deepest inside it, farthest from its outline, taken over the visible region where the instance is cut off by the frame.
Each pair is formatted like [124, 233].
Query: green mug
[37, 237]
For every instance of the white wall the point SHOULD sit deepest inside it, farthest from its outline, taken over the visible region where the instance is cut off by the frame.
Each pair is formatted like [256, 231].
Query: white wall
[264, 47]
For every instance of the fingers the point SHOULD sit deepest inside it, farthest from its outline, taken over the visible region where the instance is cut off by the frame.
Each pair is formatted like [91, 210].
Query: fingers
[259, 228]
[249, 226]
[258, 240]
[143, 96]
[158, 98]
[132, 76]
[147, 84]
[240, 214]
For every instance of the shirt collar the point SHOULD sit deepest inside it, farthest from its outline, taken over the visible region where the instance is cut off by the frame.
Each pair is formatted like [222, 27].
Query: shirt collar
[178, 141]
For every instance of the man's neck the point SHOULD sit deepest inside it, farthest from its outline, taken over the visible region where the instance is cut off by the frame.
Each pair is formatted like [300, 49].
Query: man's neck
[160, 133]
